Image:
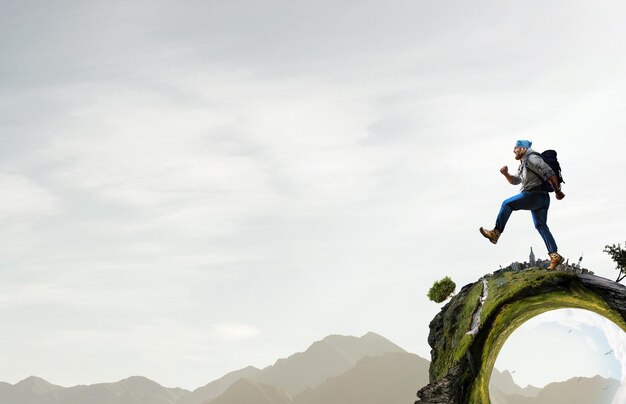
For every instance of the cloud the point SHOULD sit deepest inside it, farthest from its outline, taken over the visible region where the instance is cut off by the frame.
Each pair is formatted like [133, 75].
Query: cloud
[592, 344]
[235, 331]
[579, 352]
[24, 199]
[620, 395]
[23, 206]
[577, 319]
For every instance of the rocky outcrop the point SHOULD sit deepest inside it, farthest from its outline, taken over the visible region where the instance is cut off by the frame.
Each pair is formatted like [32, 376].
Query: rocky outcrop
[462, 361]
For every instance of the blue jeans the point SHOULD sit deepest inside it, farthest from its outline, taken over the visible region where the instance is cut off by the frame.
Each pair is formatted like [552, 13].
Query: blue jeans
[538, 204]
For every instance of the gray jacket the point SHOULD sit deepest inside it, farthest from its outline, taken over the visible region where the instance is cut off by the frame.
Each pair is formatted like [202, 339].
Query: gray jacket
[529, 180]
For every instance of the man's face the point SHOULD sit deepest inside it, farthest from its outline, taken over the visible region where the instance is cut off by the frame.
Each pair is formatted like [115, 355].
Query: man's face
[519, 152]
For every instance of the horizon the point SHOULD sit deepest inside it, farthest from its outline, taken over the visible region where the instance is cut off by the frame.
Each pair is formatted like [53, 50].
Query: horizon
[194, 188]
[36, 377]
[589, 320]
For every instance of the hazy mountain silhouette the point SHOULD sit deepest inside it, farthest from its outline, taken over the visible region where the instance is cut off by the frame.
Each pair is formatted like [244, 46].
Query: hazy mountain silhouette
[503, 382]
[134, 390]
[596, 390]
[32, 390]
[584, 391]
[329, 357]
[217, 387]
[393, 378]
[37, 385]
[246, 391]
[335, 370]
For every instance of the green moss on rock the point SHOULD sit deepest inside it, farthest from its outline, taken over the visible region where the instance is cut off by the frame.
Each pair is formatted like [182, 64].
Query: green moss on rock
[452, 324]
[462, 363]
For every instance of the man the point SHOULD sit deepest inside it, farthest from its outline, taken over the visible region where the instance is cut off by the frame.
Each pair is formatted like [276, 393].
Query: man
[534, 197]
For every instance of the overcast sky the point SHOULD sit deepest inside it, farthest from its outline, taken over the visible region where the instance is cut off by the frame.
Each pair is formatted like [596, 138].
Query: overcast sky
[573, 342]
[192, 187]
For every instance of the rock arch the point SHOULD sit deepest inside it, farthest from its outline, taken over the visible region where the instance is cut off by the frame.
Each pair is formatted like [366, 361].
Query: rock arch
[468, 333]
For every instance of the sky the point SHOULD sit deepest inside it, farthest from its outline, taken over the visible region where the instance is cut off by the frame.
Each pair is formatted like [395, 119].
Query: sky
[189, 188]
[573, 339]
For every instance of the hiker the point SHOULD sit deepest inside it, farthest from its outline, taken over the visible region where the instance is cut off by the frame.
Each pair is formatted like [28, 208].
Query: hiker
[532, 173]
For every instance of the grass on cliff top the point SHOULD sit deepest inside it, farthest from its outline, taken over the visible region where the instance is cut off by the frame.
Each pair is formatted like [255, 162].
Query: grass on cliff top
[502, 288]
[514, 313]
[506, 285]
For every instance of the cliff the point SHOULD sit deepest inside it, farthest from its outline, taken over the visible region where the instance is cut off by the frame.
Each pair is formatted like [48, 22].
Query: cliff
[464, 351]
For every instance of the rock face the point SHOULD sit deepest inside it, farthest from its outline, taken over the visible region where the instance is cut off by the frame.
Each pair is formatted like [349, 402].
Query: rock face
[462, 362]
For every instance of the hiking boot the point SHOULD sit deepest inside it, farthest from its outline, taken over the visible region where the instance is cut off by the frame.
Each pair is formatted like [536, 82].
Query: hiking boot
[555, 259]
[492, 235]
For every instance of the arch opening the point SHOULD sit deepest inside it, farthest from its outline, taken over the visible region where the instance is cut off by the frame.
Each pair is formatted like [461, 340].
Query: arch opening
[512, 315]
[562, 353]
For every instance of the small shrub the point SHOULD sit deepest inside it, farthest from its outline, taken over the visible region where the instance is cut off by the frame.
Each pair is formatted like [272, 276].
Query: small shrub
[441, 290]
[618, 254]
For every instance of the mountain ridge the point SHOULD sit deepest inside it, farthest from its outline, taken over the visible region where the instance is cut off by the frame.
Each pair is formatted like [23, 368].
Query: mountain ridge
[364, 369]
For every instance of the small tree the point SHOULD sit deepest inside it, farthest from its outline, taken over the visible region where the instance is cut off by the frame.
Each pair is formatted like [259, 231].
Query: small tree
[619, 256]
[441, 290]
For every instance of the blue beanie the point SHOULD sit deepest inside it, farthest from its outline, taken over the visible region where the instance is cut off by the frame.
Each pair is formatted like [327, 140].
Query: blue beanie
[523, 143]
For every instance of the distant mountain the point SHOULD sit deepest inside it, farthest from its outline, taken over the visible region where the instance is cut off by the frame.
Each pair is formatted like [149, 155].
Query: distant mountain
[217, 387]
[134, 390]
[336, 370]
[393, 378]
[32, 390]
[246, 391]
[503, 382]
[498, 397]
[329, 357]
[596, 390]
[36, 385]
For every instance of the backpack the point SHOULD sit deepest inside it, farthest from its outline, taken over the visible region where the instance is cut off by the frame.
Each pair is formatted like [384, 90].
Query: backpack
[549, 157]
